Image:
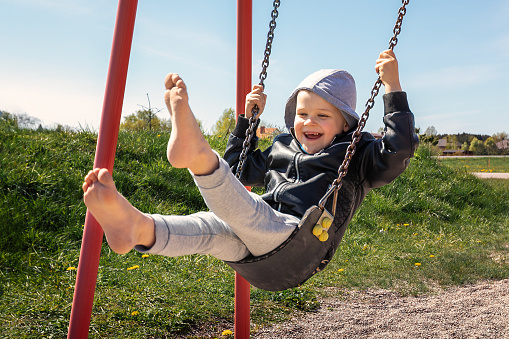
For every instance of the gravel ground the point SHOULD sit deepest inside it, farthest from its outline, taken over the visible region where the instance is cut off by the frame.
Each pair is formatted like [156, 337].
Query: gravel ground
[476, 311]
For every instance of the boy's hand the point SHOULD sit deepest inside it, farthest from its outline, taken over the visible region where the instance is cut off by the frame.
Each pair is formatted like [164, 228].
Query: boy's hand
[387, 68]
[255, 97]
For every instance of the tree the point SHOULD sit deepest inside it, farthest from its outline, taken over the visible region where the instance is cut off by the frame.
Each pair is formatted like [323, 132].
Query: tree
[430, 136]
[27, 121]
[428, 139]
[464, 146]
[491, 146]
[477, 147]
[452, 142]
[8, 119]
[225, 124]
[18, 120]
[431, 131]
[150, 113]
[500, 136]
[143, 120]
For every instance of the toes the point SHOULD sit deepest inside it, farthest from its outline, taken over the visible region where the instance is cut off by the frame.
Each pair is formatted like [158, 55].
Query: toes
[173, 80]
[104, 177]
[100, 175]
[168, 81]
[179, 83]
[90, 178]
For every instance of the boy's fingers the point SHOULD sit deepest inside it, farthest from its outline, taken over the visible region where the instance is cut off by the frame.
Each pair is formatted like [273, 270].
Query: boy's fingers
[257, 89]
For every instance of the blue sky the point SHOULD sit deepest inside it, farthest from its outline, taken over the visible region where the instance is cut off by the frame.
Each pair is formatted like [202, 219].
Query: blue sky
[453, 55]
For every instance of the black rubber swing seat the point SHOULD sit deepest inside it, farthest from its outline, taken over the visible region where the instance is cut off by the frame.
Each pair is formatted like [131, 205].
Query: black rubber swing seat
[296, 260]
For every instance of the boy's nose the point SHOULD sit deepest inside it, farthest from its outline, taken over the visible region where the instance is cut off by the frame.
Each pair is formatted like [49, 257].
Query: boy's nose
[310, 121]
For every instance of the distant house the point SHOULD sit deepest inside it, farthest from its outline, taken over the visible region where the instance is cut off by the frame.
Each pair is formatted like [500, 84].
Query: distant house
[449, 148]
[443, 144]
[503, 145]
[266, 132]
[377, 135]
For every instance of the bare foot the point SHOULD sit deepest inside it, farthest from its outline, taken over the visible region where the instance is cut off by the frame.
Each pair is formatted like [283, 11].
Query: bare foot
[187, 147]
[123, 225]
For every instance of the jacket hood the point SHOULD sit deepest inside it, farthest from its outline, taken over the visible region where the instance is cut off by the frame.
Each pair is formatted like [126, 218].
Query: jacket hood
[336, 86]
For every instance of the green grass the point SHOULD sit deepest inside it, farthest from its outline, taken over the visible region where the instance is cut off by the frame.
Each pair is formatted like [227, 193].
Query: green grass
[430, 210]
[478, 164]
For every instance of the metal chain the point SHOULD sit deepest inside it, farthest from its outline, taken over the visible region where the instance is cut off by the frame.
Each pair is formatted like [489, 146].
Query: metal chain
[270, 38]
[350, 151]
[250, 132]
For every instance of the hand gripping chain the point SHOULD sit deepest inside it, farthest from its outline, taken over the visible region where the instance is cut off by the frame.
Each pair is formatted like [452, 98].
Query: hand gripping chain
[263, 75]
[343, 169]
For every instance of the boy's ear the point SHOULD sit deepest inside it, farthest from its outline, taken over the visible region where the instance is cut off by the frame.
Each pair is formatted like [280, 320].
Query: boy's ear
[347, 127]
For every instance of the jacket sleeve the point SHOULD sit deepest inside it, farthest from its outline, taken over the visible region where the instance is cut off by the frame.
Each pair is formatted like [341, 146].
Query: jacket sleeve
[385, 159]
[255, 165]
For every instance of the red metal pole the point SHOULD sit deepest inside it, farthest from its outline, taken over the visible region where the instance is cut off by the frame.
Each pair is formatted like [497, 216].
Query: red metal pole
[244, 52]
[244, 59]
[105, 156]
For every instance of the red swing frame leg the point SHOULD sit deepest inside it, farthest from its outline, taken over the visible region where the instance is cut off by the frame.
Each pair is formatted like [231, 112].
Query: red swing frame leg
[244, 60]
[86, 277]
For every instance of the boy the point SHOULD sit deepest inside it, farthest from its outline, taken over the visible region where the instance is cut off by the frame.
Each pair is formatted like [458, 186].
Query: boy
[296, 170]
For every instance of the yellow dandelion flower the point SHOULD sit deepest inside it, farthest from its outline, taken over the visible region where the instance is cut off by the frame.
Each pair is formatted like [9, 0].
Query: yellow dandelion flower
[71, 268]
[145, 256]
[406, 224]
[431, 256]
[416, 233]
[341, 270]
[135, 313]
[417, 264]
[227, 332]
[133, 267]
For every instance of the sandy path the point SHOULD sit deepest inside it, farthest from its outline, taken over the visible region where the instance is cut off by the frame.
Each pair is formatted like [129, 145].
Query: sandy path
[488, 175]
[477, 311]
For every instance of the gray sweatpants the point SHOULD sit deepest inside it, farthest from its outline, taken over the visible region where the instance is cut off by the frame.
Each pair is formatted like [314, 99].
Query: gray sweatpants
[239, 222]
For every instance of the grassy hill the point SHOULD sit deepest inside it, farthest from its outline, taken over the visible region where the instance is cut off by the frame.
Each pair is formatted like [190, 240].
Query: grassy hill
[434, 226]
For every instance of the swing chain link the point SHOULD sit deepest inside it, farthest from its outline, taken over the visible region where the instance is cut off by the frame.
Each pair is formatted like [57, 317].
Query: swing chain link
[397, 27]
[270, 38]
[250, 132]
[350, 151]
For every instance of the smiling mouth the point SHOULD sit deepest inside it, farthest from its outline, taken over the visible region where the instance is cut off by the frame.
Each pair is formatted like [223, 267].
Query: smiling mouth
[312, 135]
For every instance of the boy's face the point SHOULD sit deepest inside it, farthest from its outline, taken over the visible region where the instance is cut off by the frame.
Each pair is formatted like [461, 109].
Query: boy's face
[317, 122]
